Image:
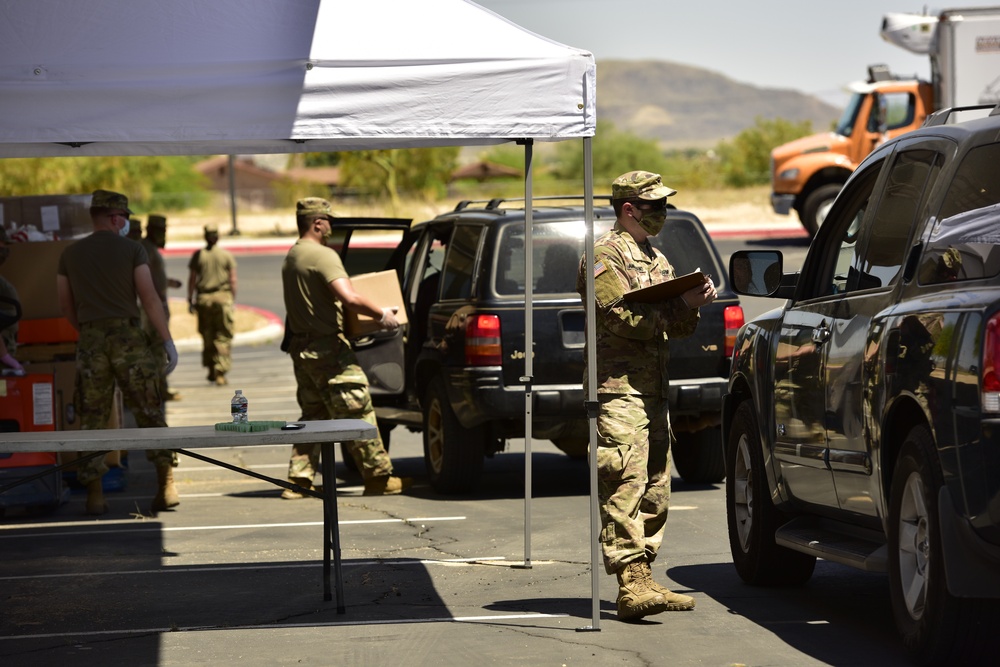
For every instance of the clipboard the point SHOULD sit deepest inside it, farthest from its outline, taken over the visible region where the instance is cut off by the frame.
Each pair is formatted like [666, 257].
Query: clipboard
[666, 290]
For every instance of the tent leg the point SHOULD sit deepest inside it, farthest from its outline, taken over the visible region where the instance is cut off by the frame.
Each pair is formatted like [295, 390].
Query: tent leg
[232, 195]
[529, 347]
[590, 306]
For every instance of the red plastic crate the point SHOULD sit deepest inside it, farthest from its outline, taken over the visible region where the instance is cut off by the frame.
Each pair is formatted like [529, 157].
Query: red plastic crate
[46, 330]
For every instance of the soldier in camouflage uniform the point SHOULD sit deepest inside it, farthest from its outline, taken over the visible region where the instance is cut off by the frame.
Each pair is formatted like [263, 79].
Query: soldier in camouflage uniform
[633, 425]
[8, 334]
[331, 384]
[211, 293]
[98, 281]
[153, 242]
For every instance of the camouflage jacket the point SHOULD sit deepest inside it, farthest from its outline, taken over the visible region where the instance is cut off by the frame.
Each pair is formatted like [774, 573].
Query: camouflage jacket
[633, 338]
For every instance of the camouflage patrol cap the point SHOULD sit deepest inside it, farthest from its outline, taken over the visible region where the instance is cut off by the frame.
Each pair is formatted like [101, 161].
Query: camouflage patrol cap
[108, 199]
[315, 207]
[640, 185]
[156, 221]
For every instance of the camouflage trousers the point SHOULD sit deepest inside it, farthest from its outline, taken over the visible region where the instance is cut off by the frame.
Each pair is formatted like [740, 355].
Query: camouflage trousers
[633, 476]
[216, 322]
[118, 351]
[322, 394]
[156, 345]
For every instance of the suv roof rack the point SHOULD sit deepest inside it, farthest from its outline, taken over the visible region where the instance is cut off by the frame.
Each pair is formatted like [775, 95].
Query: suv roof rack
[943, 116]
[493, 204]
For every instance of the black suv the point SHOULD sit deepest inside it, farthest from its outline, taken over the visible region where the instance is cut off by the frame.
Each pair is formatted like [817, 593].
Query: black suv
[455, 371]
[863, 418]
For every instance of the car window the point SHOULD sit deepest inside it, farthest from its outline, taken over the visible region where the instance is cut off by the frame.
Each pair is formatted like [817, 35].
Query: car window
[835, 269]
[556, 251]
[456, 279]
[558, 246]
[686, 250]
[911, 176]
[965, 241]
[899, 109]
[368, 251]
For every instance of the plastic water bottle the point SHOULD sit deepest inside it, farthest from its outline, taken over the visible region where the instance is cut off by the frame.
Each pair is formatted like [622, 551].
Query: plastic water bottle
[239, 407]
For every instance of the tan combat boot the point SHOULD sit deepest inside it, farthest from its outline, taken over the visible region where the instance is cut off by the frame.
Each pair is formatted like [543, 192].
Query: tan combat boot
[387, 485]
[166, 492]
[305, 483]
[635, 598]
[675, 601]
[95, 498]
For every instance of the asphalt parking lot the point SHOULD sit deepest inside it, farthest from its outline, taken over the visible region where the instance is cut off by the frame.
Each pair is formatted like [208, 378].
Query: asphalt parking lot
[234, 575]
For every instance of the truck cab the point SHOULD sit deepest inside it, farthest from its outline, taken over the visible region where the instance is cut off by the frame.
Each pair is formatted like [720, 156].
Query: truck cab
[807, 174]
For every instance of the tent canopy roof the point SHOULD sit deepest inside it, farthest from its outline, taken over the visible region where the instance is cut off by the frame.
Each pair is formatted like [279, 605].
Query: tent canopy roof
[147, 77]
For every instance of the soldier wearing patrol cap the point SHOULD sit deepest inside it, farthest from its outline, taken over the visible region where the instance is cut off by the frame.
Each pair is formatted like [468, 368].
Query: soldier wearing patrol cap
[154, 241]
[633, 423]
[99, 280]
[331, 384]
[211, 294]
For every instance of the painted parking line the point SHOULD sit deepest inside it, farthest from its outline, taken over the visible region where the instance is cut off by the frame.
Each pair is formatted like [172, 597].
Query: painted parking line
[181, 529]
[484, 560]
[493, 618]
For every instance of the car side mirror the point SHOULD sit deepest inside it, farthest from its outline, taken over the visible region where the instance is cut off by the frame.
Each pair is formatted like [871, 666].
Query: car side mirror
[755, 272]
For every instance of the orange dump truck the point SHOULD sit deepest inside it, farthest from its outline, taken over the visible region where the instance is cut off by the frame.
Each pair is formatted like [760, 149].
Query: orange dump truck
[964, 50]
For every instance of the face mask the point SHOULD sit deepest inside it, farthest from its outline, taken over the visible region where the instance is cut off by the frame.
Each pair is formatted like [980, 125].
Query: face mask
[652, 221]
[124, 230]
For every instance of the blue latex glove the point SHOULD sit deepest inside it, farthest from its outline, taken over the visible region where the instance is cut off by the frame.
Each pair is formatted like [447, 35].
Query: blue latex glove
[171, 356]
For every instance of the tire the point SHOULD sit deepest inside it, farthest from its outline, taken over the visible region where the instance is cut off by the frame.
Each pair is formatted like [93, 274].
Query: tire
[935, 627]
[700, 457]
[751, 516]
[383, 430]
[817, 205]
[453, 454]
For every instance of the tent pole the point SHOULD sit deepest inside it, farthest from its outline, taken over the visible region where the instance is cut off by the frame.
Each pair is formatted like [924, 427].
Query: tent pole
[590, 308]
[529, 346]
[232, 195]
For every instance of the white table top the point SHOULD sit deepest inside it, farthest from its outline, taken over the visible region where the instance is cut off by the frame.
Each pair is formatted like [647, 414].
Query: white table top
[182, 437]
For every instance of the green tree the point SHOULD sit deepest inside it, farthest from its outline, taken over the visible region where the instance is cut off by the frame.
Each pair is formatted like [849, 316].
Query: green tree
[746, 159]
[320, 159]
[392, 172]
[614, 153]
[168, 181]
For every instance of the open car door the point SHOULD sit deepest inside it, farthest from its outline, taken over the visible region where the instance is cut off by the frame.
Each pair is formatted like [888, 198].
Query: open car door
[370, 245]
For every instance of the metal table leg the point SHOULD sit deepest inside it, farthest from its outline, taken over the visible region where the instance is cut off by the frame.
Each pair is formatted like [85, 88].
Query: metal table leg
[331, 527]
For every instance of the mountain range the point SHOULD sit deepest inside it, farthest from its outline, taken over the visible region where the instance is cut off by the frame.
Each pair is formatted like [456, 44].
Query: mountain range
[685, 106]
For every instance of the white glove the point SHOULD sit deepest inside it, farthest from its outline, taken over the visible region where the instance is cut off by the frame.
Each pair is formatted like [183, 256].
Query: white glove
[171, 355]
[389, 320]
[13, 363]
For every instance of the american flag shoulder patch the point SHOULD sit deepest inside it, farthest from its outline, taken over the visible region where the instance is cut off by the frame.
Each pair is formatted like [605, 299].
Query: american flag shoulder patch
[599, 268]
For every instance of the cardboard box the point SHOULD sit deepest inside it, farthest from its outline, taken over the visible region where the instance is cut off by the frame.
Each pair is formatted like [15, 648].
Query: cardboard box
[382, 288]
[32, 269]
[55, 216]
[64, 383]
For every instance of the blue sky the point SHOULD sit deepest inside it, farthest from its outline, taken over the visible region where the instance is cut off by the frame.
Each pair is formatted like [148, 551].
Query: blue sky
[812, 46]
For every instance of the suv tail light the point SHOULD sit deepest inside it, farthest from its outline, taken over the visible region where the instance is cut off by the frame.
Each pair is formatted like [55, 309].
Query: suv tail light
[482, 341]
[733, 317]
[991, 365]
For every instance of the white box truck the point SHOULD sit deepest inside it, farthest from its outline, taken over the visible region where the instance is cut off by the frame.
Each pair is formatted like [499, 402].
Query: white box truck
[964, 50]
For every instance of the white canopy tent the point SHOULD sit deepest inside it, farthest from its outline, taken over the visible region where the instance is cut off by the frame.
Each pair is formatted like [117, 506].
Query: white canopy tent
[189, 77]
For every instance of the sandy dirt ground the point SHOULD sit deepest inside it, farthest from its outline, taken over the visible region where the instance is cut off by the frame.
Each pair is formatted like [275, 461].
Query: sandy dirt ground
[751, 208]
